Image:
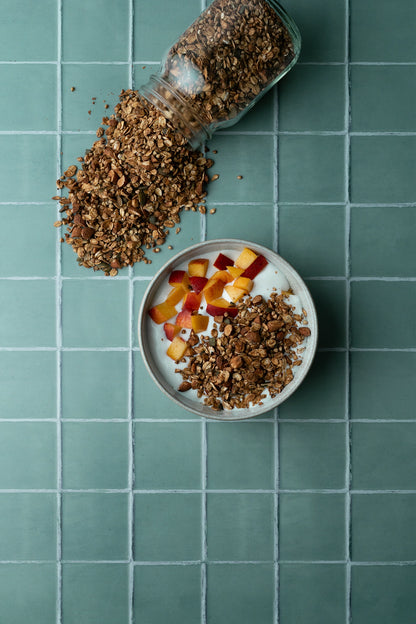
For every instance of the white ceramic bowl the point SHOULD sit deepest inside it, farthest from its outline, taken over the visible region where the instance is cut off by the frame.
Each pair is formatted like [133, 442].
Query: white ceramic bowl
[153, 343]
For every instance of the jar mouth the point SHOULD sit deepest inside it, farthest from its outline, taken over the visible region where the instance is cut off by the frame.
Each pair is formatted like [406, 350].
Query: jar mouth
[163, 96]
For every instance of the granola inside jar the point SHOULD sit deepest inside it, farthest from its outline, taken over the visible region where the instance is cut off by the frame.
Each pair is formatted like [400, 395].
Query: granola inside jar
[233, 53]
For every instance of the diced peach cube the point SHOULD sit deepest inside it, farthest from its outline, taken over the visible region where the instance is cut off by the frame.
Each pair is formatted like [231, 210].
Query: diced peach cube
[162, 312]
[213, 289]
[176, 295]
[171, 330]
[198, 267]
[255, 267]
[177, 348]
[218, 307]
[192, 301]
[179, 277]
[222, 261]
[234, 271]
[235, 293]
[199, 322]
[246, 257]
[198, 283]
[245, 283]
[224, 276]
[184, 319]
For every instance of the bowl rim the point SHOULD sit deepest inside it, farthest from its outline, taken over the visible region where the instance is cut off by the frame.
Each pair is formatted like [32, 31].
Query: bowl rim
[237, 413]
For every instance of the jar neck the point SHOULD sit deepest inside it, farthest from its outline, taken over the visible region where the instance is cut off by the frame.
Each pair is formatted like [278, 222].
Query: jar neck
[290, 25]
[166, 99]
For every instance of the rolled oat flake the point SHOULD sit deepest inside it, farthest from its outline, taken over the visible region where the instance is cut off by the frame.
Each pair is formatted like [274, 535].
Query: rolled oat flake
[222, 64]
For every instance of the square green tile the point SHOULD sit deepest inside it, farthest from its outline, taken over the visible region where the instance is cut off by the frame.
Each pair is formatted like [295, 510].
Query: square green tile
[28, 313]
[139, 288]
[240, 527]
[383, 456]
[156, 26]
[252, 223]
[95, 31]
[312, 594]
[179, 444]
[27, 384]
[322, 394]
[38, 23]
[167, 527]
[240, 455]
[94, 526]
[35, 108]
[95, 384]
[29, 250]
[312, 455]
[261, 118]
[383, 594]
[27, 167]
[190, 234]
[240, 594]
[330, 301]
[382, 385]
[28, 527]
[101, 590]
[149, 401]
[95, 455]
[373, 321]
[383, 32]
[250, 156]
[383, 169]
[27, 455]
[322, 26]
[311, 168]
[169, 593]
[28, 593]
[312, 527]
[383, 527]
[375, 108]
[95, 313]
[104, 82]
[312, 97]
[322, 251]
[382, 241]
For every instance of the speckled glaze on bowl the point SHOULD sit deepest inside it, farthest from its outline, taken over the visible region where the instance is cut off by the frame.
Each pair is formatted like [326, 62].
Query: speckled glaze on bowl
[149, 343]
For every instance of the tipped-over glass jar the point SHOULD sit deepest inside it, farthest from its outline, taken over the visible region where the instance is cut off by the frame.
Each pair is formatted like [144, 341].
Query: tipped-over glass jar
[222, 64]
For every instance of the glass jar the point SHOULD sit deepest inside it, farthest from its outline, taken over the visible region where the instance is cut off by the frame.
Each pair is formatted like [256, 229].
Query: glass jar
[233, 53]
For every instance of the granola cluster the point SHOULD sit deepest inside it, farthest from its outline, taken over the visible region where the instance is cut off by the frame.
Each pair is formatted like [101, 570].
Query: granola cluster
[130, 188]
[246, 357]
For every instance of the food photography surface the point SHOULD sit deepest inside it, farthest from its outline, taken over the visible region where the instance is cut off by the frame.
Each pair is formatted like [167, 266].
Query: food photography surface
[207, 296]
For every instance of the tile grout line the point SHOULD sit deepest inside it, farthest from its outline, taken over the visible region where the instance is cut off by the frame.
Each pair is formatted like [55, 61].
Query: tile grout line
[276, 613]
[59, 332]
[348, 483]
[130, 415]
[148, 62]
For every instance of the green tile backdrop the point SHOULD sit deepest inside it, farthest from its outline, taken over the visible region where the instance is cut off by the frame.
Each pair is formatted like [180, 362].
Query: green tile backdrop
[118, 507]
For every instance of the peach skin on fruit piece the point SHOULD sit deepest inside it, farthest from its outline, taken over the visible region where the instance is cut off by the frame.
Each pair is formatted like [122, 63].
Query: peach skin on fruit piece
[176, 295]
[199, 322]
[222, 262]
[198, 283]
[171, 330]
[219, 307]
[179, 277]
[177, 348]
[184, 319]
[246, 257]
[213, 290]
[162, 312]
[255, 267]
[234, 293]
[192, 301]
[198, 267]
[244, 282]
[234, 271]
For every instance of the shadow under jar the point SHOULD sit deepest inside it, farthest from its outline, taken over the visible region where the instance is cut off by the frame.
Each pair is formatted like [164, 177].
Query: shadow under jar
[233, 53]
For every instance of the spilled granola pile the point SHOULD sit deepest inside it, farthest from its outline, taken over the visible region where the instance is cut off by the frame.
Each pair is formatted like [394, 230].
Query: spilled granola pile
[248, 357]
[129, 188]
